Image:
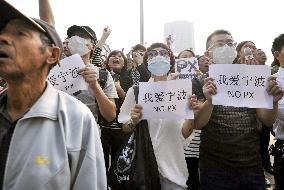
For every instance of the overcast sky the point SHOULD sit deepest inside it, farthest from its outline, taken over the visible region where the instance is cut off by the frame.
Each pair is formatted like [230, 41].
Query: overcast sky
[258, 21]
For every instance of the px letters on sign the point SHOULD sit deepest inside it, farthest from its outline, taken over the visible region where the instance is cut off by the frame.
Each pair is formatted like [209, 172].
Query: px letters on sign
[241, 85]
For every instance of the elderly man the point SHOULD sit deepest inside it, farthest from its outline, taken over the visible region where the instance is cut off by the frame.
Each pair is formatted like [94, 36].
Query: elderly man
[229, 149]
[48, 139]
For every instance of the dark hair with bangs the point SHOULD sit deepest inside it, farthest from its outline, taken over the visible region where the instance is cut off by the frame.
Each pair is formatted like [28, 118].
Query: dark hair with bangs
[160, 45]
[115, 52]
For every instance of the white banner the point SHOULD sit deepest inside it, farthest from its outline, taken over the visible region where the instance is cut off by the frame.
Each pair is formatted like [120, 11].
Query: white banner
[186, 67]
[165, 99]
[241, 85]
[66, 77]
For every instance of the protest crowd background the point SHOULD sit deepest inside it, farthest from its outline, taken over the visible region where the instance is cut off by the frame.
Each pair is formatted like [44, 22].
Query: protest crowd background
[76, 114]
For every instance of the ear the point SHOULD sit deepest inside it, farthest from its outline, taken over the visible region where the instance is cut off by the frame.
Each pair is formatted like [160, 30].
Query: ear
[53, 55]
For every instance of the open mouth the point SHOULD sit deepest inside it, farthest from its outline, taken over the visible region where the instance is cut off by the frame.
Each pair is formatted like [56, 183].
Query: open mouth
[3, 55]
[115, 62]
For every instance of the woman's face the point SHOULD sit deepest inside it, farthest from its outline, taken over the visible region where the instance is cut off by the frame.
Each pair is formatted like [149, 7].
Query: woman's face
[260, 56]
[186, 54]
[250, 45]
[116, 62]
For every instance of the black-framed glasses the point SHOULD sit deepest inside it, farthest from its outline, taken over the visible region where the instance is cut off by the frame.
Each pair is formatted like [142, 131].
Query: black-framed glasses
[154, 53]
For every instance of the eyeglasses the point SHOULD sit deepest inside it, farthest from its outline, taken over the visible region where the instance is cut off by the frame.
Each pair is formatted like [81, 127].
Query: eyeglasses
[222, 43]
[154, 53]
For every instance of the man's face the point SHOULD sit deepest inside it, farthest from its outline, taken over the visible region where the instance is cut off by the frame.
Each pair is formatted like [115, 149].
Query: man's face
[220, 40]
[203, 63]
[21, 50]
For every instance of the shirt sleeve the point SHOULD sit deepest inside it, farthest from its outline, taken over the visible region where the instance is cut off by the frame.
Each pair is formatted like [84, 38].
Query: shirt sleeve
[96, 57]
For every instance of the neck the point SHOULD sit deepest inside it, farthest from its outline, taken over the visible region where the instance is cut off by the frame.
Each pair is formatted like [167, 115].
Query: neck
[160, 78]
[22, 94]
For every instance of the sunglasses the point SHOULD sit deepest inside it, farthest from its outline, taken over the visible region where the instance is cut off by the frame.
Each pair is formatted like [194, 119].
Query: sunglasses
[154, 53]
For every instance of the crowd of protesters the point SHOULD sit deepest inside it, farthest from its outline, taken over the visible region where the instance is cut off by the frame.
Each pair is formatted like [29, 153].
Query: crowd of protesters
[52, 140]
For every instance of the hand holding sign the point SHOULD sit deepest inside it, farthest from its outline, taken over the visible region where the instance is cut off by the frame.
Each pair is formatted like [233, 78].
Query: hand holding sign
[136, 114]
[274, 90]
[90, 74]
[209, 89]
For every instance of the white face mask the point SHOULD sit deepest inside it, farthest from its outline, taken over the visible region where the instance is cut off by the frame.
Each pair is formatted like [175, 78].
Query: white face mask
[224, 54]
[159, 65]
[78, 45]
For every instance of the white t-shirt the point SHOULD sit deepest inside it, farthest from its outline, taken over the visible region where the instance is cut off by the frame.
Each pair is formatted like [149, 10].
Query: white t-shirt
[278, 126]
[168, 142]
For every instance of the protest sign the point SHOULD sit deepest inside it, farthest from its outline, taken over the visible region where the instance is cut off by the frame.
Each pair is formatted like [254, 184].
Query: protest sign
[186, 67]
[165, 99]
[241, 85]
[66, 77]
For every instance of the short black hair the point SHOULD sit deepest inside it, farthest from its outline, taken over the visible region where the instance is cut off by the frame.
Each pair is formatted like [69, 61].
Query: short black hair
[277, 45]
[216, 32]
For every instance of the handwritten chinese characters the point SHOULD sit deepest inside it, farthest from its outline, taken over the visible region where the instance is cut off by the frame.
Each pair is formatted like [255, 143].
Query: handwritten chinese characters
[165, 99]
[241, 85]
[66, 77]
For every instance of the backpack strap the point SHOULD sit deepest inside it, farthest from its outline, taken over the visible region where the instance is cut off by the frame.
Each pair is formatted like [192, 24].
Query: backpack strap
[103, 77]
[136, 92]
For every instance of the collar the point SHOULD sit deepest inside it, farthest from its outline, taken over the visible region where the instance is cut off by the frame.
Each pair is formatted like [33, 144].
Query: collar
[46, 105]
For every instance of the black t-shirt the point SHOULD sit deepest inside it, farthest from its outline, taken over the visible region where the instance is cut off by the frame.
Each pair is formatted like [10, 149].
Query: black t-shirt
[230, 139]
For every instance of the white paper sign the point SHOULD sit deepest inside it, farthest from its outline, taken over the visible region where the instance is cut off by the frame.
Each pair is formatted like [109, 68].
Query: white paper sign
[241, 85]
[186, 67]
[165, 99]
[66, 77]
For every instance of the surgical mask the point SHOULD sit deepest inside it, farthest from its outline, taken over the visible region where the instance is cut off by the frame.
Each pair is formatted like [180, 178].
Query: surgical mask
[224, 54]
[159, 65]
[78, 45]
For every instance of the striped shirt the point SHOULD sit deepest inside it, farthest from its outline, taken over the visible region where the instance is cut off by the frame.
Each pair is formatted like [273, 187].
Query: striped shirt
[192, 150]
[96, 58]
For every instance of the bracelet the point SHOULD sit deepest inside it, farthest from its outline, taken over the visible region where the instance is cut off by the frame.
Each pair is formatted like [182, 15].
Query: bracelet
[130, 124]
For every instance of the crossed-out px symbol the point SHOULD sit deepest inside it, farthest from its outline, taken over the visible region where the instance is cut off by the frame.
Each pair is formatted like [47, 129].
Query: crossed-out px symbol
[182, 64]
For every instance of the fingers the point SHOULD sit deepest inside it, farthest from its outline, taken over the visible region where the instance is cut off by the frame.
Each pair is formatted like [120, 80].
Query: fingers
[90, 74]
[136, 113]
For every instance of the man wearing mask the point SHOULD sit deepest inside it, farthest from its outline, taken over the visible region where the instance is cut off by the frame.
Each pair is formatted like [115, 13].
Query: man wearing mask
[100, 99]
[48, 139]
[229, 149]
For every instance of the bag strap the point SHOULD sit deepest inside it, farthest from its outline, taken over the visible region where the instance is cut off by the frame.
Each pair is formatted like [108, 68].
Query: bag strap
[136, 92]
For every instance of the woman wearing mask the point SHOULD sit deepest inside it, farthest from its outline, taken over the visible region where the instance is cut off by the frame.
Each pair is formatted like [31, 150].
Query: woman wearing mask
[167, 135]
